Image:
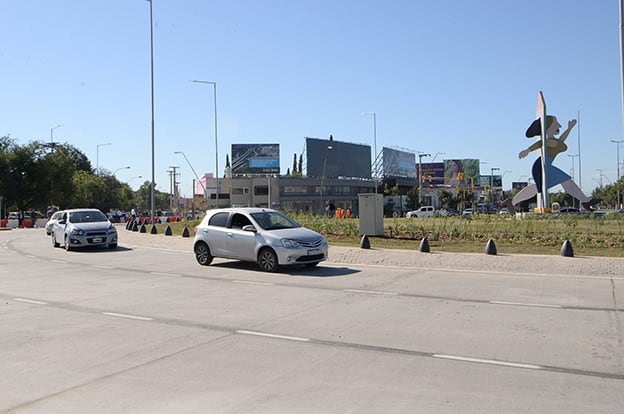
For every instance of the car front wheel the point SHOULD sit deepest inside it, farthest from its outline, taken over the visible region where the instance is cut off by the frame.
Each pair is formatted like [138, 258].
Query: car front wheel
[202, 254]
[54, 242]
[67, 244]
[267, 260]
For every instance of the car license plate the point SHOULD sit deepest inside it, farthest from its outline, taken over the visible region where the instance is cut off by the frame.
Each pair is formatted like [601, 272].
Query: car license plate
[313, 252]
[97, 240]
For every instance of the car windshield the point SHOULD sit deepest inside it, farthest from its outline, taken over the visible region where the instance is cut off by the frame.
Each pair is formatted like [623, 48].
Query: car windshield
[271, 220]
[87, 217]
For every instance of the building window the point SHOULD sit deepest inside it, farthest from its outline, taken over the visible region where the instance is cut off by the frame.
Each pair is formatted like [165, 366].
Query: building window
[261, 190]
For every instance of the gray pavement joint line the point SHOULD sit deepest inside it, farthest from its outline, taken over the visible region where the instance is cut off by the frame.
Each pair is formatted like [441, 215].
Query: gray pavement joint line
[351, 345]
[616, 308]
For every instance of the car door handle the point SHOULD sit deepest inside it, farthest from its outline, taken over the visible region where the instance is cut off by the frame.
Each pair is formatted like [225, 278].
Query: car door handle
[230, 235]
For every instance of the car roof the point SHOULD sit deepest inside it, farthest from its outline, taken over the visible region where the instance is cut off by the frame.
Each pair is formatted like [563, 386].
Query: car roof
[73, 210]
[248, 210]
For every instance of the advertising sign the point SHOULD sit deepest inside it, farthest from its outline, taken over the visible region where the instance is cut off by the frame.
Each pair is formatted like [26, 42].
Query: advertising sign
[461, 173]
[255, 159]
[399, 163]
[432, 174]
[337, 159]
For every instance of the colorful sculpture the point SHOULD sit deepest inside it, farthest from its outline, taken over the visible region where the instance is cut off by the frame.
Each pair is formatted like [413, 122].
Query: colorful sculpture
[554, 176]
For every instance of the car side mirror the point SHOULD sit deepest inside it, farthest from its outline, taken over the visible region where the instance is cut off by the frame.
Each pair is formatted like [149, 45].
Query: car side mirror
[250, 227]
[61, 222]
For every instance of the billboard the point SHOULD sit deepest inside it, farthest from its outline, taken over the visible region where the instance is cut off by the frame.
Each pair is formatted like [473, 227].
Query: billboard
[337, 159]
[519, 185]
[461, 173]
[432, 174]
[399, 163]
[498, 180]
[255, 159]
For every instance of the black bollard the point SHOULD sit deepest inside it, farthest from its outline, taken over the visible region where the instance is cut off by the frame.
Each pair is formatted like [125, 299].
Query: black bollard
[424, 246]
[154, 230]
[168, 231]
[365, 243]
[490, 247]
[186, 233]
[566, 249]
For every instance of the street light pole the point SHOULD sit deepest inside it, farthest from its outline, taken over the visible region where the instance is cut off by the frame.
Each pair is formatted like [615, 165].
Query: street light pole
[492, 183]
[152, 199]
[617, 182]
[52, 133]
[214, 85]
[329, 148]
[374, 114]
[122, 168]
[420, 175]
[97, 156]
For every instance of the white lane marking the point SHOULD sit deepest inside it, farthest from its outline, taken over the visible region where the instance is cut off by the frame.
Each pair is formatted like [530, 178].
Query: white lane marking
[59, 261]
[488, 361]
[163, 274]
[536, 305]
[102, 267]
[370, 292]
[290, 338]
[251, 282]
[122, 315]
[36, 302]
[30, 256]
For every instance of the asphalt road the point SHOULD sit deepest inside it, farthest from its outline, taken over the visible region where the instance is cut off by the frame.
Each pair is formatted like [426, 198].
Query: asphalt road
[144, 329]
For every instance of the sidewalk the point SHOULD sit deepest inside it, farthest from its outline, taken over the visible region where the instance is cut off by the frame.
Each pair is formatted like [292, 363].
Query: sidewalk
[501, 263]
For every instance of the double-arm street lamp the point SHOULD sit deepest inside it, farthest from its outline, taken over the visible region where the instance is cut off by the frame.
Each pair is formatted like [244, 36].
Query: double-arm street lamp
[214, 85]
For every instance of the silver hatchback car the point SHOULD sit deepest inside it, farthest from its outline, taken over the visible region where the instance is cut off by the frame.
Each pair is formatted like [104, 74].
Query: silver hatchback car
[260, 235]
[84, 227]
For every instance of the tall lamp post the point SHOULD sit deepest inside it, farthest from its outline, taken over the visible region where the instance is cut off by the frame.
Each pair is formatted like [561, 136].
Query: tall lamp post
[118, 169]
[374, 145]
[133, 178]
[617, 182]
[214, 85]
[492, 183]
[97, 156]
[329, 148]
[420, 175]
[52, 132]
[573, 156]
[152, 185]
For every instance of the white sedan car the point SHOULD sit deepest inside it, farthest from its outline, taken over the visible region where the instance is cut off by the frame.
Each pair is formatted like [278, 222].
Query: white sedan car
[260, 235]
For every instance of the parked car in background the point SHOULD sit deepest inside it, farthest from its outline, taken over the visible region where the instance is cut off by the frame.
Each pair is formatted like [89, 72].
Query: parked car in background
[467, 212]
[260, 235]
[83, 227]
[53, 219]
[169, 217]
[426, 211]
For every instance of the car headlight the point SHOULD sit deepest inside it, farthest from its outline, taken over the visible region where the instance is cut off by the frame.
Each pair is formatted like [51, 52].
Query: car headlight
[111, 230]
[77, 232]
[289, 243]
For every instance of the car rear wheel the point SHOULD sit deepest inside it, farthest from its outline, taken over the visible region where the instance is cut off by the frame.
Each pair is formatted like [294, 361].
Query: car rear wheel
[267, 260]
[202, 254]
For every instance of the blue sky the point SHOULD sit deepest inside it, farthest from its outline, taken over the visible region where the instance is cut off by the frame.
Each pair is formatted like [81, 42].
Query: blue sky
[451, 76]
